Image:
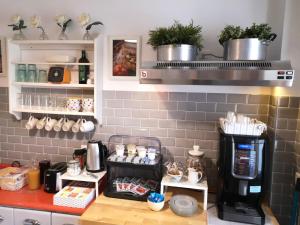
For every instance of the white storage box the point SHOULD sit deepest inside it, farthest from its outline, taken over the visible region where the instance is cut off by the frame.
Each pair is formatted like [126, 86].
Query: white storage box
[255, 128]
[13, 178]
[76, 197]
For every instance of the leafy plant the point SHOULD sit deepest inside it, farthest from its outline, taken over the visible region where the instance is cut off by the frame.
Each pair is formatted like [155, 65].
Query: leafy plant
[231, 32]
[260, 31]
[176, 34]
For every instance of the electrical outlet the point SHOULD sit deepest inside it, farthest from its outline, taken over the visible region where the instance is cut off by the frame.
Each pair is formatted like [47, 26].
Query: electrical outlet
[85, 146]
[297, 176]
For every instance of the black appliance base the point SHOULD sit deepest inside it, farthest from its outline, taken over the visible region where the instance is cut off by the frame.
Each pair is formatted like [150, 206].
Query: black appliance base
[242, 213]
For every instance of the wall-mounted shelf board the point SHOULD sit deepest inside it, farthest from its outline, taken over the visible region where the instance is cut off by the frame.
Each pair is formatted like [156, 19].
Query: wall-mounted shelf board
[52, 85]
[42, 111]
[55, 63]
[54, 42]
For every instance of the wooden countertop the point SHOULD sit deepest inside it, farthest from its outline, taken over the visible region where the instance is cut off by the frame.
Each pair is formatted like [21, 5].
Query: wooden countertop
[112, 211]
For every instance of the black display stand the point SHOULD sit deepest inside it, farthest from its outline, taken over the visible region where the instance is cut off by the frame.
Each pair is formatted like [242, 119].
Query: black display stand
[125, 169]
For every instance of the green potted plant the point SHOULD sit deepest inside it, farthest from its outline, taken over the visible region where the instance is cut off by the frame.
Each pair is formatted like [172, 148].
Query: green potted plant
[177, 42]
[246, 44]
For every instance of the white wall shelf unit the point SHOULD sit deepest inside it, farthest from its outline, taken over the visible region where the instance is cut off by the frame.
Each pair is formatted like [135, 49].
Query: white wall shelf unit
[36, 52]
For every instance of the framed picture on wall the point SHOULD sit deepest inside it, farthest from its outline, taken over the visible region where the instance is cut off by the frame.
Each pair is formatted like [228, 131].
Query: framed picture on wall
[124, 57]
[2, 56]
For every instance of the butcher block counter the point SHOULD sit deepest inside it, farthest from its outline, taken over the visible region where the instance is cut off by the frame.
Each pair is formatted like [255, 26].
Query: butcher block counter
[112, 211]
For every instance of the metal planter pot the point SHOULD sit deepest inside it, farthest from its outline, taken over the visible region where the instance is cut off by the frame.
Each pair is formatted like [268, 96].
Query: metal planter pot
[177, 53]
[246, 49]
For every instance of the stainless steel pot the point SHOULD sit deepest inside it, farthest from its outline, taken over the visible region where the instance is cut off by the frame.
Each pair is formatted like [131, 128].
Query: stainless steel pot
[247, 48]
[176, 53]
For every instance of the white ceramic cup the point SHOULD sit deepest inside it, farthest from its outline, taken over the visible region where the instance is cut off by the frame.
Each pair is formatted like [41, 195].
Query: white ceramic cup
[88, 105]
[50, 124]
[142, 152]
[120, 150]
[41, 123]
[67, 124]
[194, 176]
[31, 123]
[76, 126]
[151, 154]
[86, 126]
[58, 125]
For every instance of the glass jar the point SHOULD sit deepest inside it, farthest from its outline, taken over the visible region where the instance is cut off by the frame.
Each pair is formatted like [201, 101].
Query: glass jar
[195, 159]
[43, 76]
[34, 177]
[73, 168]
[21, 73]
[31, 74]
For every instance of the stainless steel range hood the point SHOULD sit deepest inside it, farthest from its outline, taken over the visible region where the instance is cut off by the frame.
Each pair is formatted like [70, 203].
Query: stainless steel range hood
[237, 73]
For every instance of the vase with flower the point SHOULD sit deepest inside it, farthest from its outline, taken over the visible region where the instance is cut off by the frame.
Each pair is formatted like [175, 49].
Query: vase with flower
[36, 23]
[18, 25]
[63, 22]
[84, 21]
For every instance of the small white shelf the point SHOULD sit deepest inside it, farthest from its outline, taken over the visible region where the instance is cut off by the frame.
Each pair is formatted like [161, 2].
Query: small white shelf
[55, 63]
[54, 42]
[83, 176]
[52, 85]
[42, 111]
[168, 181]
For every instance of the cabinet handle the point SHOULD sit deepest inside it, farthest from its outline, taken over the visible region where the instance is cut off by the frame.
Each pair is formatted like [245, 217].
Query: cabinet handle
[67, 224]
[1, 219]
[31, 222]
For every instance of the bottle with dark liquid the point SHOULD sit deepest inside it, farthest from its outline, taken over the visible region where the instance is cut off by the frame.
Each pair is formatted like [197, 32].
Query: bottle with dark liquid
[84, 70]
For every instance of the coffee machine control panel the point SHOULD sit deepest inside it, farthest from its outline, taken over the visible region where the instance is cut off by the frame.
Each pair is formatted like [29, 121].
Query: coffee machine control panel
[244, 161]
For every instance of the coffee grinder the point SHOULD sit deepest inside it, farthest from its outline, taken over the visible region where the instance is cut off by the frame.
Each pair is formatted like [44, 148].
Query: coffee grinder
[242, 169]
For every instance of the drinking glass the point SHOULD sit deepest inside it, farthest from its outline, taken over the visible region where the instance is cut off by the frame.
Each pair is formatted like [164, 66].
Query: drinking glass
[21, 73]
[51, 103]
[27, 100]
[60, 103]
[36, 101]
[44, 99]
[31, 75]
[20, 99]
[43, 76]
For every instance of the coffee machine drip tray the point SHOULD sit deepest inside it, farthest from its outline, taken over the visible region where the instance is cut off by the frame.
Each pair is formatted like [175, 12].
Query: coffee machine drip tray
[241, 212]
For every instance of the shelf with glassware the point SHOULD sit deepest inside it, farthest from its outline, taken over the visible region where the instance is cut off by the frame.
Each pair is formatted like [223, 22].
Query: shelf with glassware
[29, 62]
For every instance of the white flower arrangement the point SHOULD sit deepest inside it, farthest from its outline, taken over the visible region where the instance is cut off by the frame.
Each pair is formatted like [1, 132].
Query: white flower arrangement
[18, 23]
[62, 21]
[84, 21]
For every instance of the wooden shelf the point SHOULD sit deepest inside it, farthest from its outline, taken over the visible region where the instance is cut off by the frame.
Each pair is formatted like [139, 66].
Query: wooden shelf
[54, 42]
[56, 86]
[42, 111]
[55, 63]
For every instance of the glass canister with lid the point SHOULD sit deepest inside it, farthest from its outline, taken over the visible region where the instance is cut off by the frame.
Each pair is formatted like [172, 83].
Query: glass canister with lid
[195, 159]
[74, 168]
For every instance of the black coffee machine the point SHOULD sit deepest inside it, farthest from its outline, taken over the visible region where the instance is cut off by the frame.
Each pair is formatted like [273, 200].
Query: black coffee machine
[242, 168]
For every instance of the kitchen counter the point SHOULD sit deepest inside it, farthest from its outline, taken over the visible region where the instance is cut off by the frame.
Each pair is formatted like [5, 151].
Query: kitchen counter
[112, 211]
[37, 200]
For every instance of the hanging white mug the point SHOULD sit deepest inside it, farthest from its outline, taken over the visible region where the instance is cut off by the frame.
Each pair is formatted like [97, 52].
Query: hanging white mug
[41, 123]
[50, 124]
[58, 125]
[86, 126]
[76, 126]
[67, 125]
[31, 123]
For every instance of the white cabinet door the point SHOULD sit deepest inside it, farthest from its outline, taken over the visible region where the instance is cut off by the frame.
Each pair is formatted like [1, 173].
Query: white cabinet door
[64, 219]
[6, 216]
[31, 217]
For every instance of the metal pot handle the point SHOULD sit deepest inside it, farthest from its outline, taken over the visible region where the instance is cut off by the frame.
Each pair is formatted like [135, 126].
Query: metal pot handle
[272, 37]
